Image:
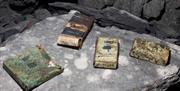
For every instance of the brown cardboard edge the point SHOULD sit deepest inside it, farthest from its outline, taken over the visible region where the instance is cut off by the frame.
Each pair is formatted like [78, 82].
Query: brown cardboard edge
[70, 46]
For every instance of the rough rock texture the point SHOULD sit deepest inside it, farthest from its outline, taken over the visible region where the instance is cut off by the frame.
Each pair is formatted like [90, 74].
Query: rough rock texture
[153, 9]
[97, 4]
[0, 40]
[11, 22]
[79, 74]
[133, 6]
[171, 15]
[5, 10]
[41, 14]
[109, 16]
[166, 30]
[114, 17]
[23, 6]
[166, 12]
[10, 25]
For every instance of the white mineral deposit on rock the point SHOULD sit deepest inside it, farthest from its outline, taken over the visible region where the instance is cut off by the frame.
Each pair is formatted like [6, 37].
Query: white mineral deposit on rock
[68, 56]
[123, 60]
[3, 48]
[67, 72]
[82, 62]
[166, 71]
[51, 18]
[107, 74]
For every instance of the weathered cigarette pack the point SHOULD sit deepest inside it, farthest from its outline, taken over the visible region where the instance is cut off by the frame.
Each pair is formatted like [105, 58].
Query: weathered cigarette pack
[150, 51]
[75, 30]
[106, 53]
[32, 68]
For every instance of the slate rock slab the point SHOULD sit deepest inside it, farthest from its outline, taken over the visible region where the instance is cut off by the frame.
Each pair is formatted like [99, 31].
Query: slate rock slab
[23, 6]
[133, 6]
[79, 73]
[153, 8]
[41, 14]
[97, 4]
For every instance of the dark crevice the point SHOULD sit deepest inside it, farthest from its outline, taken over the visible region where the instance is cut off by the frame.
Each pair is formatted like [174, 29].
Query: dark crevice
[178, 8]
[51, 1]
[142, 15]
[148, 1]
[178, 20]
[106, 6]
[69, 1]
[57, 10]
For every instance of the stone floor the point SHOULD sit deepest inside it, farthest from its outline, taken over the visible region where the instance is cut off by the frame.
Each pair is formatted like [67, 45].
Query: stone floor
[79, 73]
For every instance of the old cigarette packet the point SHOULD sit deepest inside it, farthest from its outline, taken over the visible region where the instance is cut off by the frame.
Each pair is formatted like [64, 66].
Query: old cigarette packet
[76, 30]
[106, 53]
[32, 68]
[150, 51]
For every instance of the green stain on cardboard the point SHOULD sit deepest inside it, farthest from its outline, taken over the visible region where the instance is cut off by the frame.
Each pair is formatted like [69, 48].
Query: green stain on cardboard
[32, 68]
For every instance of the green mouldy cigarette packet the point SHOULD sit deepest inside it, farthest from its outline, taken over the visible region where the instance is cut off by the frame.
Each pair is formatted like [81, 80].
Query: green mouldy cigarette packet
[32, 68]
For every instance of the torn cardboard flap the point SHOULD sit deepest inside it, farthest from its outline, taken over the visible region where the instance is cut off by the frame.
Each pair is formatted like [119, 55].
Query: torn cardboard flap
[69, 40]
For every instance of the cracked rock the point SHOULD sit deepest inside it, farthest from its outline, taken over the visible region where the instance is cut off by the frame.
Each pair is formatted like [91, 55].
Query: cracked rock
[132, 74]
[153, 9]
[23, 6]
[41, 14]
[97, 4]
[171, 16]
[132, 6]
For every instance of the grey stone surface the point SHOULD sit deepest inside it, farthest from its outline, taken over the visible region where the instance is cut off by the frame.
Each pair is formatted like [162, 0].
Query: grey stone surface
[133, 6]
[153, 8]
[97, 4]
[22, 3]
[170, 33]
[5, 11]
[0, 40]
[23, 6]
[171, 16]
[111, 17]
[165, 11]
[9, 28]
[41, 14]
[79, 74]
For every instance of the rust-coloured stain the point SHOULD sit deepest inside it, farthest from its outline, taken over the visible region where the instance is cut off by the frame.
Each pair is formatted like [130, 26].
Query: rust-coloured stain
[75, 30]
